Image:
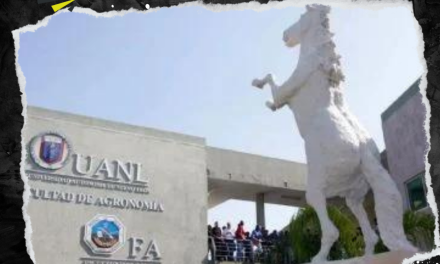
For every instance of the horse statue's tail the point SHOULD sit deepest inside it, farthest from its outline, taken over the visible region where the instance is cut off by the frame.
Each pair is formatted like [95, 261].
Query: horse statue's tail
[388, 201]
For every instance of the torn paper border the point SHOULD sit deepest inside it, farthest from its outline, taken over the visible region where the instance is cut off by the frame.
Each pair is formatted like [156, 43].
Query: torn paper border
[376, 5]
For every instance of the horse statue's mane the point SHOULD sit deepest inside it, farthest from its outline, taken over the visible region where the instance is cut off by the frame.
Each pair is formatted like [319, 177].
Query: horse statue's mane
[330, 61]
[330, 64]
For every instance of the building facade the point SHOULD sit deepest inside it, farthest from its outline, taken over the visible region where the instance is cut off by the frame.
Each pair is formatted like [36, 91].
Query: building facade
[111, 193]
[406, 145]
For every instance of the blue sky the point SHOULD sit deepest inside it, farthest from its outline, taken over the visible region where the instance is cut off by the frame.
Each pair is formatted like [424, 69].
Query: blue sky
[189, 70]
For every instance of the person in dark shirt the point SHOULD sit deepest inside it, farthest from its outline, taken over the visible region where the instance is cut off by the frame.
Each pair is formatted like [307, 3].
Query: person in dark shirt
[287, 248]
[257, 237]
[273, 237]
[220, 244]
[265, 233]
[209, 230]
[211, 244]
[248, 250]
[216, 231]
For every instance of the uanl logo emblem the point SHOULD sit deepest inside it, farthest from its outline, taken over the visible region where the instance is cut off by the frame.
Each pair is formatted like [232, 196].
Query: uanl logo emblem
[104, 234]
[50, 150]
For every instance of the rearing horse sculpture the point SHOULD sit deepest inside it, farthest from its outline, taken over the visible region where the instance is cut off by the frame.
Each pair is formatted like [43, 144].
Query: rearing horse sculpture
[342, 158]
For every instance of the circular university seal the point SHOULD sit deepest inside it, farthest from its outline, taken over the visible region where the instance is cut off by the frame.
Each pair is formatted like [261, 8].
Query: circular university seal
[50, 150]
[104, 234]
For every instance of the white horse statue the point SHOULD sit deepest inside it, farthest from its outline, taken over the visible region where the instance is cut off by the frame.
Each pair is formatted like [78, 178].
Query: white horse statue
[342, 158]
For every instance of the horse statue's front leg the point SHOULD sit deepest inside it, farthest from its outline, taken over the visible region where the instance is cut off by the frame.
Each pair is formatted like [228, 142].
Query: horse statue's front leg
[260, 83]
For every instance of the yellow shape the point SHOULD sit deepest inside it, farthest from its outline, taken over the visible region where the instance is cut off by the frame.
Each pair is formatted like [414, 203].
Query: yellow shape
[61, 5]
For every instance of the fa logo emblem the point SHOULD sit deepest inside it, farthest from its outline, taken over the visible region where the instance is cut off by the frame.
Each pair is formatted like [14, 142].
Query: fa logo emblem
[104, 234]
[50, 150]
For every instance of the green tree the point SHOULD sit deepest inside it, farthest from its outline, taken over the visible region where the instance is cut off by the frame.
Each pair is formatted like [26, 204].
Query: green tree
[419, 229]
[305, 235]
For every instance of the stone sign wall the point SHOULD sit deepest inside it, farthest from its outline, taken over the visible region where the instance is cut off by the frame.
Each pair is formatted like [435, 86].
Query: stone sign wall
[104, 192]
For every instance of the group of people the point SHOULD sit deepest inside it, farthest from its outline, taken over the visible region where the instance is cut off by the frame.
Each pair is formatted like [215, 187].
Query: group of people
[226, 244]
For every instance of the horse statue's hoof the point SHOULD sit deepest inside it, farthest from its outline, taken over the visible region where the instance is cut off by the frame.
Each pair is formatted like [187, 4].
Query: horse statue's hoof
[258, 83]
[271, 106]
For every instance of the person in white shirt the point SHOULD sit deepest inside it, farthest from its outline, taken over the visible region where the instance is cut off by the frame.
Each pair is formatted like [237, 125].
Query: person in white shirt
[229, 238]
[228, 232]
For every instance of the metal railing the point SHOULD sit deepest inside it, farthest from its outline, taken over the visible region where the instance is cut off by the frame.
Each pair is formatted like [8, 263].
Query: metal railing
[234, 250]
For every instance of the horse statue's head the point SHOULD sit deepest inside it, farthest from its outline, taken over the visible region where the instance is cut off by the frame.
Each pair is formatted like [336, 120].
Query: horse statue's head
[317, 55]
[312, 24]
[312, 30]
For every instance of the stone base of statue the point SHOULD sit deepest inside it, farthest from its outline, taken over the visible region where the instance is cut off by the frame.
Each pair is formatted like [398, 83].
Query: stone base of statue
[395, 257]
